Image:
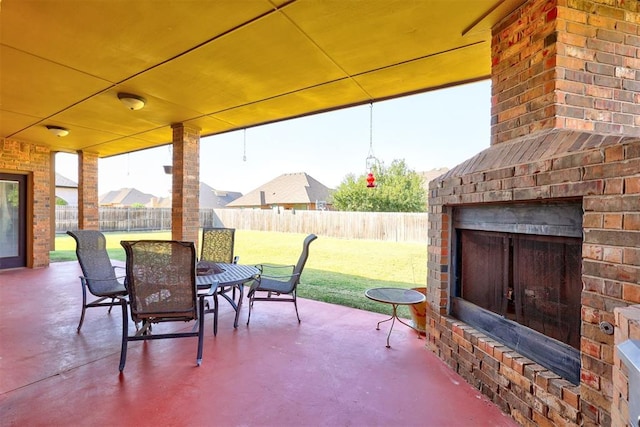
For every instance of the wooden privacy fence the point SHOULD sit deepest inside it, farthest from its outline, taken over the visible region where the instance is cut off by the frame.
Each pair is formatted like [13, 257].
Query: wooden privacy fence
[390, 226]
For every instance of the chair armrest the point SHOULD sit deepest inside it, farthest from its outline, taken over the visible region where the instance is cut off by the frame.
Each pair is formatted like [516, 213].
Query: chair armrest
[120, 279]
[275, 267]
[255, 286]
[287, 277]
[212, 290]
[95, 279]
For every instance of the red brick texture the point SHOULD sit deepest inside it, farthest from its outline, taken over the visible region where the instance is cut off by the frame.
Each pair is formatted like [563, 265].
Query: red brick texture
[611, 266]
[566, 64]
[35, 162]
[185, 198]
[88, 209]
[565, 124]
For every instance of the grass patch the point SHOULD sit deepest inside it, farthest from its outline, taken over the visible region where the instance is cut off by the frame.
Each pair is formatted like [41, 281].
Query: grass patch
[338, 270]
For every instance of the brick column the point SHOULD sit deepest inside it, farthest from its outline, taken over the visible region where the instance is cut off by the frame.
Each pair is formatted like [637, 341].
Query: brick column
[185, 199]
[88, 214]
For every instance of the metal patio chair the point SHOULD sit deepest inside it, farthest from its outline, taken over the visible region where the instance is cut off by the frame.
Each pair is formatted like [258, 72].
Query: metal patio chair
[283, 285]
[217, 247]
[98, 274]
[161, 281]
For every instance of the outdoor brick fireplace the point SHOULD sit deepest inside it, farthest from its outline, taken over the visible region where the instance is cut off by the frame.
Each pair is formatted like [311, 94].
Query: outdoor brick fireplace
[535, 241]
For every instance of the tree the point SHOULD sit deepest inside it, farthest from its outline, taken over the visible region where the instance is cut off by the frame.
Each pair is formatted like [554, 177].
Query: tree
[398, 189]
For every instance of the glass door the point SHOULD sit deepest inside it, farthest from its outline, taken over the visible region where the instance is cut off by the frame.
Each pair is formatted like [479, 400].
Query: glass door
[13, 191]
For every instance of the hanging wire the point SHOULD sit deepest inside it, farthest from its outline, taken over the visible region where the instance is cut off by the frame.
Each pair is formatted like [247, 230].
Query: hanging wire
[371, 159]
[244, 143]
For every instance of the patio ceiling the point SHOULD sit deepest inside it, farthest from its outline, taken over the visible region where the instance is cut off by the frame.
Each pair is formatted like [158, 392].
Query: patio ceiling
[223, 65]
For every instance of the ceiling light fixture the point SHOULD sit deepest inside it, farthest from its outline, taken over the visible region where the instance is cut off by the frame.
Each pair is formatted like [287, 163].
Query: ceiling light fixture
[58, 131]
[132, 102]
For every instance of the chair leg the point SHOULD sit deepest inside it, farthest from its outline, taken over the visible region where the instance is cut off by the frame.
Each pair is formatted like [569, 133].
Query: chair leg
[201, 331]
[84, 304]
[250, 307]
[111, 306]
[125, 335]
[295, 303]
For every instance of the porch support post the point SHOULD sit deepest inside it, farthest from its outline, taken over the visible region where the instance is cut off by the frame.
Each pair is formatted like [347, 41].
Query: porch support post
[185, 198]
[88, 214]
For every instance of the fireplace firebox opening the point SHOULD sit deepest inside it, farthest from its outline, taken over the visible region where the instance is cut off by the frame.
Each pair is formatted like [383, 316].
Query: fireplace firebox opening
[517, 276]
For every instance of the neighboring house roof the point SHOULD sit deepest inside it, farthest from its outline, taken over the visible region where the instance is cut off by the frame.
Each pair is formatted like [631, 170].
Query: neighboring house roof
[210, 198]
[290, 188]
[432, 174]
[63, 181]
[125, 197]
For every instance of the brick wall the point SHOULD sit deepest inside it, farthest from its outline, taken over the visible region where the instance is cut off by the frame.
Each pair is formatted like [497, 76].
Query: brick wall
[565, 122]
[35, 162]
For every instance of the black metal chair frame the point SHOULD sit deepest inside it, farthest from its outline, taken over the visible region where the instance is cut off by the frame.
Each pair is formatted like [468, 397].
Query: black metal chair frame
[275, 286]
[98, 275]
[145, 333]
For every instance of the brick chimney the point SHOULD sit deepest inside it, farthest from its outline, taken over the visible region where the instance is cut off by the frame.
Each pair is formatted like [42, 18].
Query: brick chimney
[564, 64]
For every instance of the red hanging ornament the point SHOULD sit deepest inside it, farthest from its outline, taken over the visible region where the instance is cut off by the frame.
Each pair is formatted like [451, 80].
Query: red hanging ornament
[371, 180]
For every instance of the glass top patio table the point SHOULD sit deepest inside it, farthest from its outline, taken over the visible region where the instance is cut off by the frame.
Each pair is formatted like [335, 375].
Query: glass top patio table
[232, 276]
[395, 297]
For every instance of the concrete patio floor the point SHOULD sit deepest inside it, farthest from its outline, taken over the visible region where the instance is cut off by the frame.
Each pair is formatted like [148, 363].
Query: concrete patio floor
[333, 369]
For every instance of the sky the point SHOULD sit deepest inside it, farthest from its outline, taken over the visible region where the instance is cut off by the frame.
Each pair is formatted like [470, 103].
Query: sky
[432, 130]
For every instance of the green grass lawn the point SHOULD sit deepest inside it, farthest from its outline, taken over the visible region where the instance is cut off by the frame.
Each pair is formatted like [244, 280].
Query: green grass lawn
[338, 271]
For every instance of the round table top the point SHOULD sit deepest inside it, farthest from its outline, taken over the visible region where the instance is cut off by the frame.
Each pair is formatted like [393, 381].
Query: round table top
[232, 274]
[399, 296]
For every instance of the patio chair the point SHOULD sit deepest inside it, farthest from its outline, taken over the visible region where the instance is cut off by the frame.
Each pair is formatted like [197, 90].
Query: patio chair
[283, 286]
[98, 275]
[161, 281]
[217, 247]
